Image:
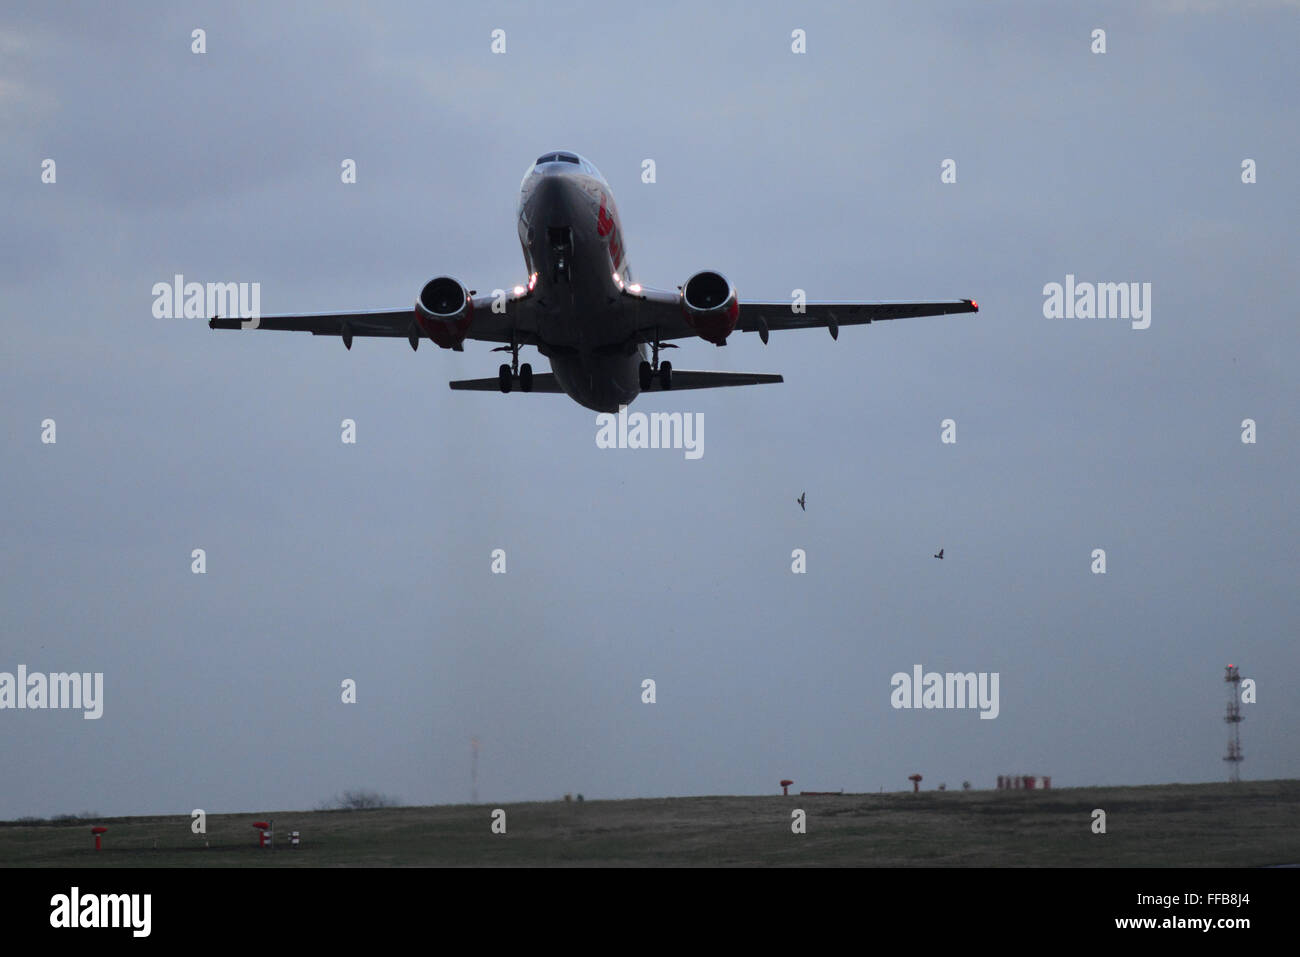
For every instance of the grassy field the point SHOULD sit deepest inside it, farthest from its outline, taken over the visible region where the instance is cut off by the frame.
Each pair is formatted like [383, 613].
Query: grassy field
[1176, 825]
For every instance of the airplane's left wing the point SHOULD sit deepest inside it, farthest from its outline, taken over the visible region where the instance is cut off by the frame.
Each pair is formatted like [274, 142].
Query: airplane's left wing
[659, 312]
[765, 317]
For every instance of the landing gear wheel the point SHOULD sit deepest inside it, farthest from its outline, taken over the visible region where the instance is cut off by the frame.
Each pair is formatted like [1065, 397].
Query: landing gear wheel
[526, 378]
[646, 375]
[506, 378]
[666, 375]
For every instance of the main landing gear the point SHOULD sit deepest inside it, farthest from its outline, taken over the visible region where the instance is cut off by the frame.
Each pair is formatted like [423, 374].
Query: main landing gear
[664, 370]
[508, 373]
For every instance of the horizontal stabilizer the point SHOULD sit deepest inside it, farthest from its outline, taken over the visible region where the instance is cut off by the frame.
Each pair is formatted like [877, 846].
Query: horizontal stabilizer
[684, 379]
[542, 382]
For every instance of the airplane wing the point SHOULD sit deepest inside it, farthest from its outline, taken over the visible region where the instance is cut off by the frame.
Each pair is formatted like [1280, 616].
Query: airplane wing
[660, 311]
[763, 317]
[488, 326]
[379, 322]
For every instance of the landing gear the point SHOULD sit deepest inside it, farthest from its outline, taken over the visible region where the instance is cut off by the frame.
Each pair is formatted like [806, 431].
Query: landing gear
[509, 373]
[647, 371]
[560, 239]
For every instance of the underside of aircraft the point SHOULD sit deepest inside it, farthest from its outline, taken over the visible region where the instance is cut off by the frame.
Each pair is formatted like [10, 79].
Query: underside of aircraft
[580, 308]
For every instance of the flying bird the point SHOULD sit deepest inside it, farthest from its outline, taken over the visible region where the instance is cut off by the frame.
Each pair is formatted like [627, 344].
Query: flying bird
[800, 500]
[940, 555]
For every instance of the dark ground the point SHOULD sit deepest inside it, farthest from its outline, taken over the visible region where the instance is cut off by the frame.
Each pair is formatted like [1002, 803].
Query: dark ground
[1177, 825]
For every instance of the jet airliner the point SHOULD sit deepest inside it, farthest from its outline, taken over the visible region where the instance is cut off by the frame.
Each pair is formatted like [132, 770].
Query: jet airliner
[581, 309]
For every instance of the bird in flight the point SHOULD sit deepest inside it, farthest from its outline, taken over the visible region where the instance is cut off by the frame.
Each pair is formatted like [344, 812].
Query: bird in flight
[940, 555]
[800, 500]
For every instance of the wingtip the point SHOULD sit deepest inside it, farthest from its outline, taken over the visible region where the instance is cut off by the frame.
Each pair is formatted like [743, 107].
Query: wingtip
[974, 306]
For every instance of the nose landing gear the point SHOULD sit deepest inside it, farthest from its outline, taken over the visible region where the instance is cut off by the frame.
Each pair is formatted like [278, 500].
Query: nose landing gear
[560, 239]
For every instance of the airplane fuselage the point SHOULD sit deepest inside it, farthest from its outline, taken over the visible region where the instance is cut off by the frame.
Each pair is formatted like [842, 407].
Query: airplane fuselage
[574, 250]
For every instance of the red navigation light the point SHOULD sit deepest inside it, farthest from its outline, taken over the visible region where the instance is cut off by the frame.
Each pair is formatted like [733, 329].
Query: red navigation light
[975, 305]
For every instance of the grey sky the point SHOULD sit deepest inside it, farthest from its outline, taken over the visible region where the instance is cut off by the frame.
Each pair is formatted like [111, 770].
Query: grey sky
[818, 171]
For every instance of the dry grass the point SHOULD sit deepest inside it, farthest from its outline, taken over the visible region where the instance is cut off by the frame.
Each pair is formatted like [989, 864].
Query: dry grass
[1200, 825]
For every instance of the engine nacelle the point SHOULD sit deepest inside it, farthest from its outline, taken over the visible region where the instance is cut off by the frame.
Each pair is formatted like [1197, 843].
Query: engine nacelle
[711, 306]
[444, 311]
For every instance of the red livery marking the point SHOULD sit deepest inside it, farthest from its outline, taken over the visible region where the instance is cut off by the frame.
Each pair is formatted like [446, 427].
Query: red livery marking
[604, 221]
[607, 226]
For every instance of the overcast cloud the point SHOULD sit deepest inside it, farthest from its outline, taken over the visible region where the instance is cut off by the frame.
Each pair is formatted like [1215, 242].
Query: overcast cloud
[819, 171]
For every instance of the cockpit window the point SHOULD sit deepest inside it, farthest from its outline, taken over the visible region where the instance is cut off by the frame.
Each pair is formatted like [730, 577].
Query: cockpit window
[557, 158]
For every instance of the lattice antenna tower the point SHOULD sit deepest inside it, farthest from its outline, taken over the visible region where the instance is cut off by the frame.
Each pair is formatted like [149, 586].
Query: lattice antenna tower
[473, 771]
[1233, 717]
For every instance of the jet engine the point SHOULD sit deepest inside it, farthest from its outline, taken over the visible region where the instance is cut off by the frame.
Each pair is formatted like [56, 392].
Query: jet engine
[444, 311]
[711, 307]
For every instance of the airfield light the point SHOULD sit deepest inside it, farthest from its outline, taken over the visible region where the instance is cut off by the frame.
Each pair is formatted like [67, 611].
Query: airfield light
[916, 782]
[785, 786]
[98, 832]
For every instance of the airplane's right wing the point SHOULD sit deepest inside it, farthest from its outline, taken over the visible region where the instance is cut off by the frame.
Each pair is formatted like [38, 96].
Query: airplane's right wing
[495, 320]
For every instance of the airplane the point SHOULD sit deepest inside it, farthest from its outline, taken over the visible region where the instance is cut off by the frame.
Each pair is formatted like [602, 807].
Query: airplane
[581, 309]
[803, 496]
[940, 555]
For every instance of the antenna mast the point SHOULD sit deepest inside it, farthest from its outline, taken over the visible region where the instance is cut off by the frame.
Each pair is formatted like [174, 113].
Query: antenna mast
[1233, 718]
